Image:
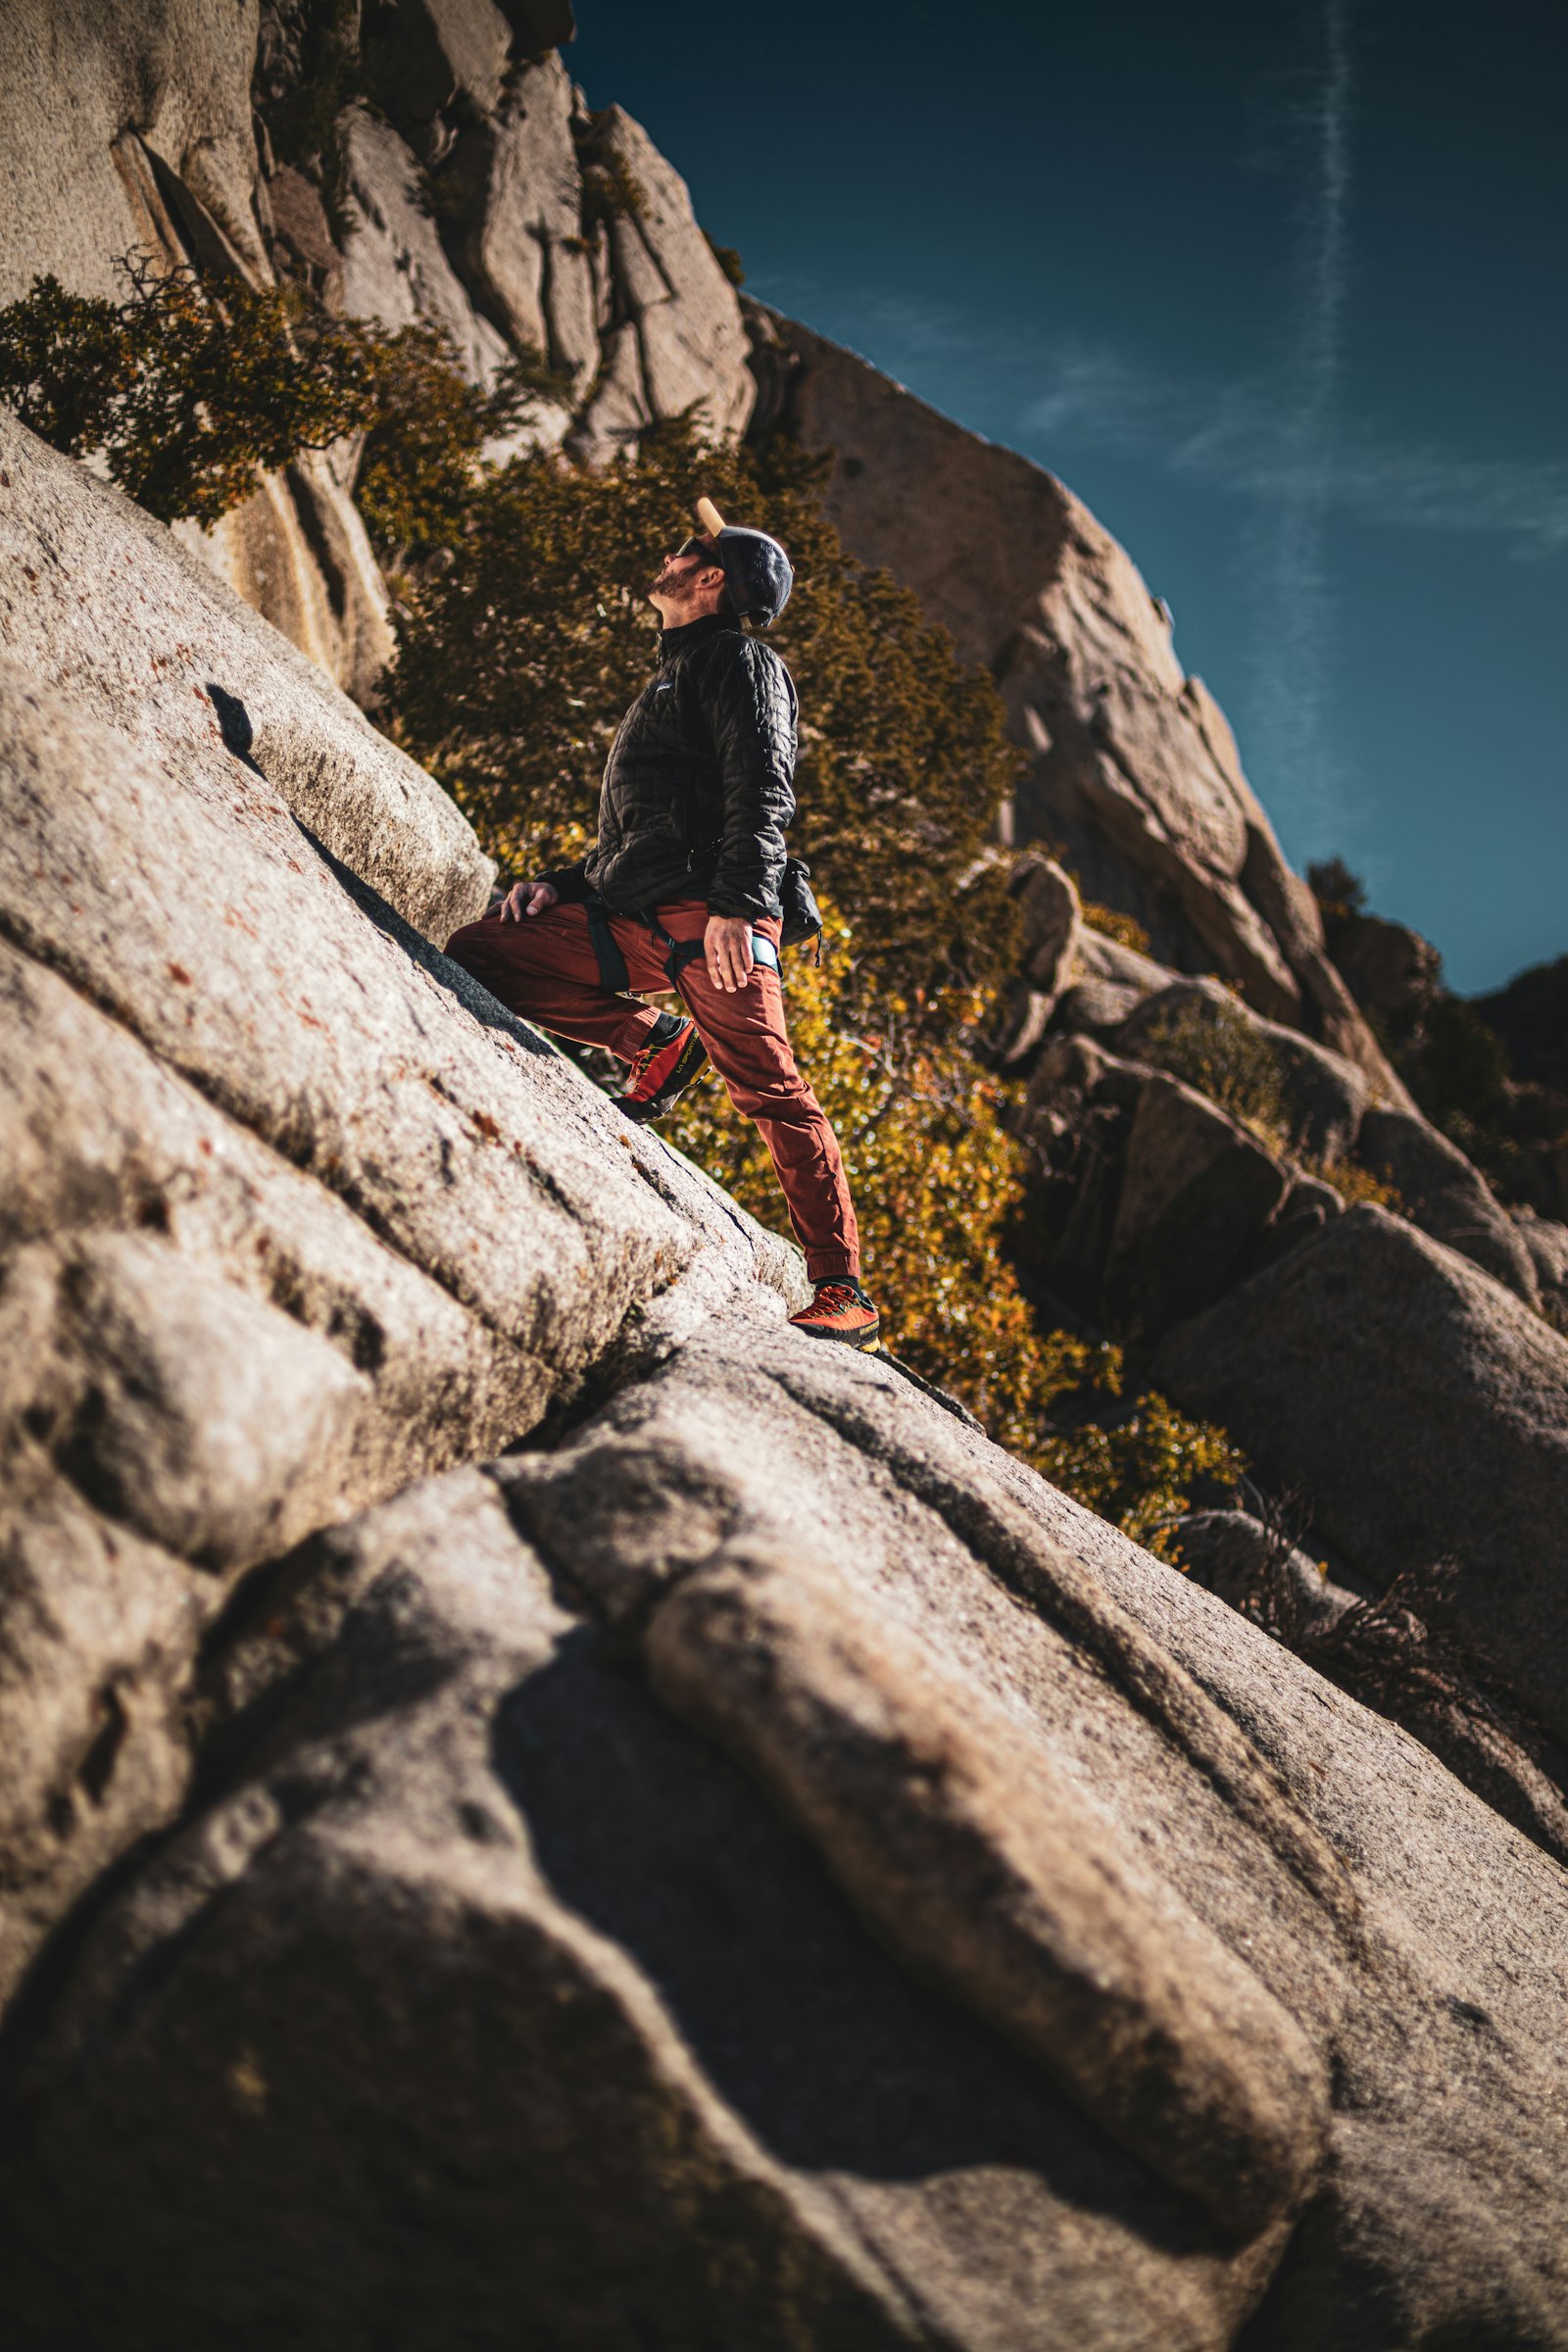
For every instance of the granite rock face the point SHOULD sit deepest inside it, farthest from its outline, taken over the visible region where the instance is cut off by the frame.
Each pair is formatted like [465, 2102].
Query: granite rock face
[255, 1129]
[753, 1865]
[104, 107]
[105, 605]
[540, 1798]
[125, 129]
[395, 268]
[674, 340]
[576, 1865]
[456, 188]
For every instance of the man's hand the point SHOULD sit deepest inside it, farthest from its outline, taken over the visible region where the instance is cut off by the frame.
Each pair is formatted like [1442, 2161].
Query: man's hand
[727, 951]
[527, 897]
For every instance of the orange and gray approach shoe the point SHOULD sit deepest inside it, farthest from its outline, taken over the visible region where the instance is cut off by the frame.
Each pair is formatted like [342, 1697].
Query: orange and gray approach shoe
[663, 1069]
[841, 1311]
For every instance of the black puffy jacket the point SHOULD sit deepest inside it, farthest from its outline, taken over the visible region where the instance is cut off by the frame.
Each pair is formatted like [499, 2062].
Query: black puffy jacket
[699, 784]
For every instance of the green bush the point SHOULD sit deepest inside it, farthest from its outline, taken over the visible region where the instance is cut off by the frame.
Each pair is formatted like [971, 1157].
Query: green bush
[1215, 1050]
[194, 385]
[193, 388]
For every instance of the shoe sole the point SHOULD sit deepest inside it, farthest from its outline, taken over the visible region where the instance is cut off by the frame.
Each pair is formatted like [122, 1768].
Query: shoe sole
[869, 1343]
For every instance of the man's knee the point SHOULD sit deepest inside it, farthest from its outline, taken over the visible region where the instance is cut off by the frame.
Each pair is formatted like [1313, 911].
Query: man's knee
[471, 941]
[781, 1095]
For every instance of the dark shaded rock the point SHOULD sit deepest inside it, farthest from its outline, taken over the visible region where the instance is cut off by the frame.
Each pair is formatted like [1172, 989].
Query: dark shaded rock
[1531, 1017]
[1051, 922]
[1234, 1555]
[1422, 1411]
[1197, 1193]
[1440, 1191]
[1395, 975]
[1547, 1244]
[1393, 1652]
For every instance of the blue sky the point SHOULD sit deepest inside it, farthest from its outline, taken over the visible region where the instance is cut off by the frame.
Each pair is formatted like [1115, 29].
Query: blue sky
[1279, 293]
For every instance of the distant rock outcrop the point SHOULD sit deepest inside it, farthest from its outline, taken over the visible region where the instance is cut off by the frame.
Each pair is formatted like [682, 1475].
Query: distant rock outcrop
[1423, 1409]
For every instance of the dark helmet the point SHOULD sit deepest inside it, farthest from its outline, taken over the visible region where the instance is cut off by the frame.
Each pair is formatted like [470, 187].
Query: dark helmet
[758, 573]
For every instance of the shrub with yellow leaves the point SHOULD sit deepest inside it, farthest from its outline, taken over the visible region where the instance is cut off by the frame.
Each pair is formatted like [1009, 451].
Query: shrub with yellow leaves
[938, 1180]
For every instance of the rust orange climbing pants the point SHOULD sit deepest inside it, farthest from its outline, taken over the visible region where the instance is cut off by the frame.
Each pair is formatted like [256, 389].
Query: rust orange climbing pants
[546, 969]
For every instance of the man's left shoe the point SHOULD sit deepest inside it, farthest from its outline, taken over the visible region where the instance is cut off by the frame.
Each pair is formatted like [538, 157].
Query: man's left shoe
[663, 1070]
[842, 1311]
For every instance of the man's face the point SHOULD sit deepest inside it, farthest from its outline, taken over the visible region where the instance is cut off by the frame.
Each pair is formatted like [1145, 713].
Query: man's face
[679, 571]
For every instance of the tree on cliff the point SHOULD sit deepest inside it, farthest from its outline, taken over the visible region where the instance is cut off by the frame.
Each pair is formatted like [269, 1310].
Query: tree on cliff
[193, 386]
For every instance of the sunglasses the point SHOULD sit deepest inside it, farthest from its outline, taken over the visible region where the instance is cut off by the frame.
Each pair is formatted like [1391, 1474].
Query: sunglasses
[697, 547]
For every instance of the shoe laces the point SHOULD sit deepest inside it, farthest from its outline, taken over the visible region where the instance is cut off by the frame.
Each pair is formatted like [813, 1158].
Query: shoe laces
[647, 1056]
[840, 1294]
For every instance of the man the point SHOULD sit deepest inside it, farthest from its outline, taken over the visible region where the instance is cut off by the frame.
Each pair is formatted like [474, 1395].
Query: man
[681, 890]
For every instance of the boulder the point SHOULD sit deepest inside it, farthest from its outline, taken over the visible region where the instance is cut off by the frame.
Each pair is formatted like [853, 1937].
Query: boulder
[1051, 922]
[679, 345]
[1096, 1007]
[1440, 1191]
[1422, 1411]
[1234, 1556]
[656, 1861]
[99, 600]
[1098, 957]
[1049, 908]
[1547, 1244]
[1198, 1194]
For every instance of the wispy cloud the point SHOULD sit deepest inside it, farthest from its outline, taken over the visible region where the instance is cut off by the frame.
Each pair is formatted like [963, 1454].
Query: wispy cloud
[1229, 437]
[1290, 660]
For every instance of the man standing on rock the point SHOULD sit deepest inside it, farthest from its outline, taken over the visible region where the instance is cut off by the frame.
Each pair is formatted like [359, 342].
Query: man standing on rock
[682, 891]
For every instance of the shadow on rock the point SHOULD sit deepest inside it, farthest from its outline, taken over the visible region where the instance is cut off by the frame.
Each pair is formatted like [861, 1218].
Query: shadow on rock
[834, 2058]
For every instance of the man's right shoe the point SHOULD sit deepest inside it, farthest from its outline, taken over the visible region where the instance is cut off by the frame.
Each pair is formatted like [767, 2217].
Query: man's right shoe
[842, 1311]
[663, 1070]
